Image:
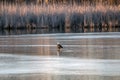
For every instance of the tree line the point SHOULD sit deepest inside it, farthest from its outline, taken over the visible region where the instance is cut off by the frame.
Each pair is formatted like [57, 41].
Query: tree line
[111, 2]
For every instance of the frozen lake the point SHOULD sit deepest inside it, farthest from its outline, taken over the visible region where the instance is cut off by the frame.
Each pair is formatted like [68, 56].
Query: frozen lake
[21, 64]
[85, 56]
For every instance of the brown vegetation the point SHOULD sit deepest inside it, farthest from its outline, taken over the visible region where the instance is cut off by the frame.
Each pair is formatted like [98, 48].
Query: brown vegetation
[113, 2]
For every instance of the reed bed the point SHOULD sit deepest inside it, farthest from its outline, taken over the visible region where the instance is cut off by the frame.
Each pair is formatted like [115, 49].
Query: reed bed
[14, 16]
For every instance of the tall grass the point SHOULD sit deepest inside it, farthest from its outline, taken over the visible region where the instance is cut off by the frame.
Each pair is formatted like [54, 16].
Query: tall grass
[58, 15]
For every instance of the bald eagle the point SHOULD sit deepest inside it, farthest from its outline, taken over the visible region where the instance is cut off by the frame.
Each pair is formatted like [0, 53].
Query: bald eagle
[59, 46]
